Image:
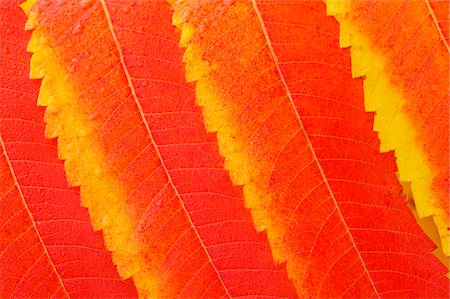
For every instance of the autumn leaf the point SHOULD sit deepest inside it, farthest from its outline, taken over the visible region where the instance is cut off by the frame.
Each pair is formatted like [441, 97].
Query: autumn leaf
[407, 84]
[252, 67]
[47, 244]
[241, 164]
[439, 12]
[152, 177]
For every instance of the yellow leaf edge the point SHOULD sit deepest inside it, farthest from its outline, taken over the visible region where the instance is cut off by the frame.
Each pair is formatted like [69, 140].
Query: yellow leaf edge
[83, 159]
[395, 130]
[217, 120]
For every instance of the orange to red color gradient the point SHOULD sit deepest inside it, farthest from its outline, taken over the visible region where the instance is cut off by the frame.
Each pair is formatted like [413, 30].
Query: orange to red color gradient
[401, 47]
[153, 155]
[151, 176]
[290, 120]
[47, 244]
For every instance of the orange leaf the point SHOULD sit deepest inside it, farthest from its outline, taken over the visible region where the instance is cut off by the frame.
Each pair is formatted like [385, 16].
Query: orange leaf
[439, 10]
[279, 103]
[400, 49]
[290, 120]
[47, 244]
[134, 140]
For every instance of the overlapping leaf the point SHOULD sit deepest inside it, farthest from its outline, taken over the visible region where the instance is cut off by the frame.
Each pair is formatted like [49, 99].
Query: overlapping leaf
[290, 120]
[134, 140]
[47, 244]
[401, 51]
[275, 87]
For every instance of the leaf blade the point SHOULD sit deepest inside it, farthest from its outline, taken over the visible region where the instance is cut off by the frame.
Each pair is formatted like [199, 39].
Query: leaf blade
[406, 83]
[74, 250]
[122, 178]
[244, 100]
[18, 228]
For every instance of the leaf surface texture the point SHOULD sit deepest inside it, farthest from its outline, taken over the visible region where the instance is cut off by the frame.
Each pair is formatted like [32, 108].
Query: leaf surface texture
[407, 77]
[305, 152]
[47, 244]
[134, 140]
[224, 148]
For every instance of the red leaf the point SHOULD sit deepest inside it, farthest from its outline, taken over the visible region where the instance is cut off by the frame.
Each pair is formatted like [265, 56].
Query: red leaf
[47, 244]
[152, 177]
[278, 90]
[273, 83]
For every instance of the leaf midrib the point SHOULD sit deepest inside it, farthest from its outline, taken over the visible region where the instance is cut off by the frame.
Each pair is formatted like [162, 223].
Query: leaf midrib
[30, 215]
[436, 23]
[302, 127]
[141, 112]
